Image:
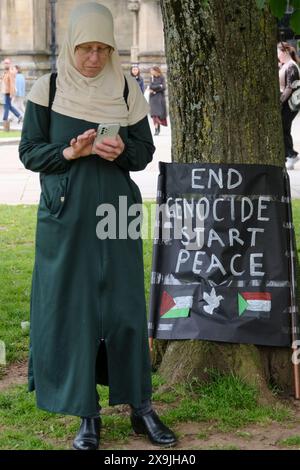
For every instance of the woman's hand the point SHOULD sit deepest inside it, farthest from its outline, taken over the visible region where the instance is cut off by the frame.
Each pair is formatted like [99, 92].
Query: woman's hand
[110, 148]
[80, 146]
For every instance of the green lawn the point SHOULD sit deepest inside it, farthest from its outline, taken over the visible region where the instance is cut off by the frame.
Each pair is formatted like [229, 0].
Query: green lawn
[17, 231]
[296, 220]
[224, 404]
[4, 134]
[17, 227]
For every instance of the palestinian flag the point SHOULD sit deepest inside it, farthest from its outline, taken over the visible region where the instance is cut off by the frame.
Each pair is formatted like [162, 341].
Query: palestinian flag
[254, 302]
[175, 307]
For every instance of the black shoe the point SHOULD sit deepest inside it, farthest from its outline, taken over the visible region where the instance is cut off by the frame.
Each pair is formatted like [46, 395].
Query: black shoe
[88, 437]
[151, 425]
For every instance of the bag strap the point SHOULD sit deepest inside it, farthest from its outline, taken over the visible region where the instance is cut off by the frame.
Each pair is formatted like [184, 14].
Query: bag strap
[52, 91]
[126, 92]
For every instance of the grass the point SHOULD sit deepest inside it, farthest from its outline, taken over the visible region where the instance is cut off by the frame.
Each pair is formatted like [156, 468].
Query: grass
[17, 228]
[296, 221]
[25, 427]
[290, 441]
[226, 400]
[225, 403]
[17, 232]
[4, 134]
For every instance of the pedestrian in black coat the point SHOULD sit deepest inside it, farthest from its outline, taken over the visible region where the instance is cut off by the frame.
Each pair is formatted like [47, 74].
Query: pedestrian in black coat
[158, 108]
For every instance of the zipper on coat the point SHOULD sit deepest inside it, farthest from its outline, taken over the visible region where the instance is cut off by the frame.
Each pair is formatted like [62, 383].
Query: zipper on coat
[100, 259]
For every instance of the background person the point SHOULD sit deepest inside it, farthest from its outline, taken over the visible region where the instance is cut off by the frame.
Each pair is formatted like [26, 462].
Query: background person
[19, 97]
[8, 89]
[88, 315]
[157, 100]
[288, 73]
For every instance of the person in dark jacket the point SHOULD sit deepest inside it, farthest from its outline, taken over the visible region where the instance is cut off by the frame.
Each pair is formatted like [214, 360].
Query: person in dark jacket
[88, 318]
[136, 73]
[157, 100]
[289, 76]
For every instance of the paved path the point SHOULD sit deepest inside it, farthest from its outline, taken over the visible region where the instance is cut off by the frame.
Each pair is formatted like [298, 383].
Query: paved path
[20, 186]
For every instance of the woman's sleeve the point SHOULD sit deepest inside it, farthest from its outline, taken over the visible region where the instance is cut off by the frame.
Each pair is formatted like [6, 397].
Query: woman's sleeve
[292, 75]
[139, 148]
[35, 151]
[158, 87]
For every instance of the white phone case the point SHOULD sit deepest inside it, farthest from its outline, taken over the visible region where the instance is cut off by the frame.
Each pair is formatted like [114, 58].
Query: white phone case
[106, 130]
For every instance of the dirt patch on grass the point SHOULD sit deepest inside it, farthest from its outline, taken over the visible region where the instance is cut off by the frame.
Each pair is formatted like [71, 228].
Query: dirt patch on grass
[15, 374]
[192, 436]
[200, 436]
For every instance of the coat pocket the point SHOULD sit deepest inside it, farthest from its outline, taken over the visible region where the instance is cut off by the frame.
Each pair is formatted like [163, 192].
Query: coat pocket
[134, 190]
[54, 190]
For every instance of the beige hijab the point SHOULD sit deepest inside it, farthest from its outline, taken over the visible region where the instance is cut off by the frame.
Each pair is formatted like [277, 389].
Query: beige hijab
[99, 99]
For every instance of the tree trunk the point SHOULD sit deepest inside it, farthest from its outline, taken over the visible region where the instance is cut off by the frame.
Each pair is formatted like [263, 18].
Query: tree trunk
[224, 108]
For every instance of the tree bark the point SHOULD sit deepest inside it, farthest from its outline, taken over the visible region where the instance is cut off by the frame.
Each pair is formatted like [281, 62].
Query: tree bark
[224, 108]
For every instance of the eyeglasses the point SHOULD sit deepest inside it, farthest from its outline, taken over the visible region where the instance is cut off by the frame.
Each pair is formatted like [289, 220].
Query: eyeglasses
[89, 50]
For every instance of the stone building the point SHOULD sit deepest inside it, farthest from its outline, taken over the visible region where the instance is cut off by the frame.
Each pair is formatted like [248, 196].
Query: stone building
[32, 31]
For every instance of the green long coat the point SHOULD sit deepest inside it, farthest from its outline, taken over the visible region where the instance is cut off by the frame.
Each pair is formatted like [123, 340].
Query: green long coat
[86, 292]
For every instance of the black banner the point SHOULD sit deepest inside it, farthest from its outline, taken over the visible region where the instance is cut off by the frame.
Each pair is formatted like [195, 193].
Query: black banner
[221, 259]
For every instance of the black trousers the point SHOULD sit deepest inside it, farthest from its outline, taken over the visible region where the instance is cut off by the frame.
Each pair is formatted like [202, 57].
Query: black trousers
[287, 118]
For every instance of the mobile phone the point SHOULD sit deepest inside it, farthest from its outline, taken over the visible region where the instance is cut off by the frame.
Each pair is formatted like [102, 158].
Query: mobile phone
[106, 130]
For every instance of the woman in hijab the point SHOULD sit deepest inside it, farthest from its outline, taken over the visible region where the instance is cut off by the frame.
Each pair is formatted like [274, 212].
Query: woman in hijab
[88, 317]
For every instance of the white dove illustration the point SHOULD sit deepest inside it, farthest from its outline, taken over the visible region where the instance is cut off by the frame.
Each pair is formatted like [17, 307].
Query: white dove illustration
[213, 301]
